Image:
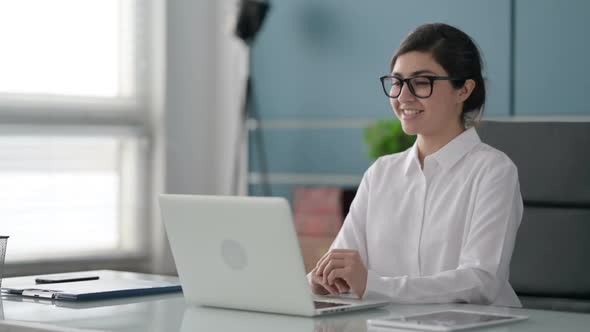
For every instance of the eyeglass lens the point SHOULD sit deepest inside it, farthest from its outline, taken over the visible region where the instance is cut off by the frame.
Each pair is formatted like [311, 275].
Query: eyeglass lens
[419, 86]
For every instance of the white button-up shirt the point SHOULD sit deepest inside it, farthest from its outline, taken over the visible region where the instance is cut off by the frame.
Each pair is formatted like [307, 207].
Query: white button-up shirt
[444, 233]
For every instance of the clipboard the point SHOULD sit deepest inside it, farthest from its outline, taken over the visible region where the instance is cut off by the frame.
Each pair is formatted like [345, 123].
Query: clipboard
[103, 288]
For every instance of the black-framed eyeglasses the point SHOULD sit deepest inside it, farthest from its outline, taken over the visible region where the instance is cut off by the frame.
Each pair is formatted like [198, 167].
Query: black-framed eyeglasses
[420, 86]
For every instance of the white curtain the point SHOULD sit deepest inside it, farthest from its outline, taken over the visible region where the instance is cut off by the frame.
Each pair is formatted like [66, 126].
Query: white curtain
[206, 70]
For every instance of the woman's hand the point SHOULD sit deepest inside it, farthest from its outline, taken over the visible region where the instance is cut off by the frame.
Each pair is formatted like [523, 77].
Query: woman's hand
[319, 287]
[338, 267]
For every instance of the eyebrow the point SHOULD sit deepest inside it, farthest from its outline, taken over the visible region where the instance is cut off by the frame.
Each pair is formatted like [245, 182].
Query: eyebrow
[419, 72]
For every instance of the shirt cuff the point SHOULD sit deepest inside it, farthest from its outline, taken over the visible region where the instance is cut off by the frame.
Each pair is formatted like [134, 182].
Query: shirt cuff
[375, 284]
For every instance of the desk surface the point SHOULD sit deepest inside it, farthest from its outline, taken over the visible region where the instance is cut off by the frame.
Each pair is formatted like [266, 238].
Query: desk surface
[168, 312]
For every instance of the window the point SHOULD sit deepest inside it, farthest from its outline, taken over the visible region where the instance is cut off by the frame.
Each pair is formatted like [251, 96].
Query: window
[67, 47]
[74, 133]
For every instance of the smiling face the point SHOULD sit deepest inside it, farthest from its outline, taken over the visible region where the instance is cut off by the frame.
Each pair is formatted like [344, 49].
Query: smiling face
[437, 115]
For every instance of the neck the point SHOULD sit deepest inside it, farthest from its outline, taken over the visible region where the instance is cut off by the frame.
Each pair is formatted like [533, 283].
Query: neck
[429, 144]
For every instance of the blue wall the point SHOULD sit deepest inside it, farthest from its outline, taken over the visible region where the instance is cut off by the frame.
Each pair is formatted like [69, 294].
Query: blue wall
[315, 67]
[551, 57]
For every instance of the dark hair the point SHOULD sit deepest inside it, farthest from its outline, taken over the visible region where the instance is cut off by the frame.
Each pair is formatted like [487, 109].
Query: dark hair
[458, 54]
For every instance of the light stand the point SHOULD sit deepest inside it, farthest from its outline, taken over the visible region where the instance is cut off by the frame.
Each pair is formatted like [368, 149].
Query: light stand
[250, 18]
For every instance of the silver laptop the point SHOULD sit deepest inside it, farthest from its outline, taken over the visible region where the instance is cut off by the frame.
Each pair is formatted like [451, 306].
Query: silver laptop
[243, 253]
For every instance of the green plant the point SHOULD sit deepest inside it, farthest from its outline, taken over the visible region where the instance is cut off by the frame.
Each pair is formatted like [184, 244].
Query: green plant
[386, 137]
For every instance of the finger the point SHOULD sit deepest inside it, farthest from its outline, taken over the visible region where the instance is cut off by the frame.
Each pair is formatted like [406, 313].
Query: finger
[347, 275]
[320, 262]
[316, 279]
[330, 256]
[338, 273]
[341, 285]
[331, 289]
[328, 288]
[318, 289]
[348, 259]
[332, 264]
[338, 287]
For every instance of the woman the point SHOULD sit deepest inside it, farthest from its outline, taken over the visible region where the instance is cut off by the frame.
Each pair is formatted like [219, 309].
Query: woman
[437, 222]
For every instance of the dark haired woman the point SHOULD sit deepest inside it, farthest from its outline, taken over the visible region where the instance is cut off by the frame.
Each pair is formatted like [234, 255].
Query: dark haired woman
[437, 222]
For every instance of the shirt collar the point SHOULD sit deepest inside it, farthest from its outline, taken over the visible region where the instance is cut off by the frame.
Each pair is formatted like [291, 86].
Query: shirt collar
[412, 159]
[449, 154]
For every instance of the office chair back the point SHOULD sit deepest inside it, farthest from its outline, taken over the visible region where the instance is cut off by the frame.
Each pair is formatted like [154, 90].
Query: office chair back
[550, 267]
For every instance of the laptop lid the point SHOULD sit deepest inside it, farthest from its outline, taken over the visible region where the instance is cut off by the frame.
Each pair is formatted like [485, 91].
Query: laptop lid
[237, 252]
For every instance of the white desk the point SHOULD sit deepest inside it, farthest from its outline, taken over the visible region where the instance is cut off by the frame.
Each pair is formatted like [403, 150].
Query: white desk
[169, 313]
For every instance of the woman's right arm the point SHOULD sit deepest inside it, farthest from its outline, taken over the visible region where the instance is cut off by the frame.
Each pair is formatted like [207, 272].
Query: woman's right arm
[352, 235]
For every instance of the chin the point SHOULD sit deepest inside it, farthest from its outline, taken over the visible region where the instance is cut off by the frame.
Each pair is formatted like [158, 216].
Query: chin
[410, 130]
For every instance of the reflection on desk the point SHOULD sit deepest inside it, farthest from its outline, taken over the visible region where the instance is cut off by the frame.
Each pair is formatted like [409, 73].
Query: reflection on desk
[136, 314]
[87, 304]
[224, 320]
[14, 326]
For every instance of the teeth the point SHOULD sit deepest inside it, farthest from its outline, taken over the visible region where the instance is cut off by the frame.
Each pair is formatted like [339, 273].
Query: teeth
[412, 112]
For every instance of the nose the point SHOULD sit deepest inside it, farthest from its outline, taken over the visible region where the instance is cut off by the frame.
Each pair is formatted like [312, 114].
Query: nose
[405, 94]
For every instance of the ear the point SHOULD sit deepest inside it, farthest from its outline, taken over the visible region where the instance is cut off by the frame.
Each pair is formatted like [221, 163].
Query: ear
[466, 90]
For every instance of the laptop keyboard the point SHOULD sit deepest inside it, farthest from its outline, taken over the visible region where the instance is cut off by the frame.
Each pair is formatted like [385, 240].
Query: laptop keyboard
[322, 305]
